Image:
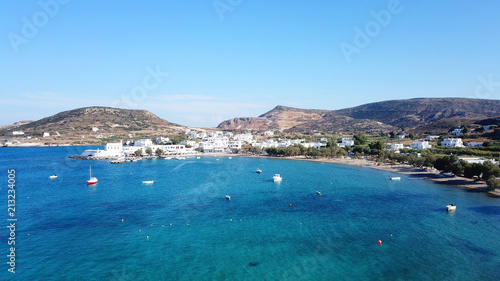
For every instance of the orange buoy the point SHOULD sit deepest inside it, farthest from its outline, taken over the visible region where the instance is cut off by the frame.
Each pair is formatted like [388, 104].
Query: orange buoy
[290, 205]
[105, 206]
[380, 242]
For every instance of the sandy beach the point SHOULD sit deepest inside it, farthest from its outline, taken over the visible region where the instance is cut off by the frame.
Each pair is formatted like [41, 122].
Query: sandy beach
[414, 172]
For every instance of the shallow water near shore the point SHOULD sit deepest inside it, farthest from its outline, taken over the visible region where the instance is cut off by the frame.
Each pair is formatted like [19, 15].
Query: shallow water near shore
[183, 228]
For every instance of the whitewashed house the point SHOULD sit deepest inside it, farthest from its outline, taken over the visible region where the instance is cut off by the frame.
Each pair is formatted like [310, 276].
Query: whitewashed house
[17, 133]
[452, 142]
[397, 146]
[457, 132]
[420, 145]
[346, 142]
[474, 144]
[431, 138]
[46, 134]
[243, 137]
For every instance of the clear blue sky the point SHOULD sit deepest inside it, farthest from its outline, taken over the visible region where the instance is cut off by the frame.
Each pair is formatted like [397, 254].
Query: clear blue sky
[243, 59]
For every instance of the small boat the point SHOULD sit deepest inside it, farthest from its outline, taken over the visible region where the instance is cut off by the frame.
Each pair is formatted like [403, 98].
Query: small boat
[451, 207]
[53, 177]
[198, 157]
[319, 193]
[147, 182]
[118, 161]
[92, 180]
[230, 157]
[258, 171]
[228, 197]
[395, 178]
[180, 158]
[277, 178]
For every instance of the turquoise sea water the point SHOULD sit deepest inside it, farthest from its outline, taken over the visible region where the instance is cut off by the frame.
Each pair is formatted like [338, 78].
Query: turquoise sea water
[69, 231]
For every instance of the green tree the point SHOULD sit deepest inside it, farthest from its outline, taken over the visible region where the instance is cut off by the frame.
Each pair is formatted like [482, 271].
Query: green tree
[138, 152]
[492, 182]
[411, 136]
[149, 151]
[359, 139]
[159, 152]
[378, 145]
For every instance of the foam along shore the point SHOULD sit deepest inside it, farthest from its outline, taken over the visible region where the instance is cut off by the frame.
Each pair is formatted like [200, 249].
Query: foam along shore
[414, 172]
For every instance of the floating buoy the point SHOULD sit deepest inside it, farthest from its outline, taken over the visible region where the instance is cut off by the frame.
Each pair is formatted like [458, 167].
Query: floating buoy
[300, 223]
[28, 198]
[380, 242]
[122, 220]
[147, 237]
[290, 205]
[28, 234]
[139, 230]
[170, 224]
[105, 206]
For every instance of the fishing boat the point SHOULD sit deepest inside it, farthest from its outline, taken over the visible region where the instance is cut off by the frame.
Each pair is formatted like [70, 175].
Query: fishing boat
[147, 182]
[277, 178]
[319, 193]
[258, 171]
[228, 197]
[53, 177]
[451, 207]
[395, 178]
[92, 180]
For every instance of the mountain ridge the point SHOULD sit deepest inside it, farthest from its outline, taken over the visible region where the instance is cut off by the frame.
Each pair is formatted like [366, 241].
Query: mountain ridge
[405, 114]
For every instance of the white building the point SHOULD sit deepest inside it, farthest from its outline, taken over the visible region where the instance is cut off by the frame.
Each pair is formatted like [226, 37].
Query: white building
[243, 137]
[46, 134]
[479, 160]
[162, 140]
[452, 142]
[268, 133]
[95, 129]
[457, 132]
[143, 143]
[397, 146]
[18, 133]
[472, 144]
[431, 138]
[346, 142]
[235, 144]
[421, 145]
[400, 137]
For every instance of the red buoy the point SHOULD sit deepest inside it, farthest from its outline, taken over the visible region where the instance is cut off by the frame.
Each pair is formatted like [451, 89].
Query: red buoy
[380, 242]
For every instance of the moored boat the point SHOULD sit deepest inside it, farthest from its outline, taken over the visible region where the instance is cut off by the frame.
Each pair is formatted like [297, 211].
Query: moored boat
[92, 180]
[147, 182]
[228, 197]
[451, 207]
[258, 171]
[277, 178]
[53, 177]
[395, 178]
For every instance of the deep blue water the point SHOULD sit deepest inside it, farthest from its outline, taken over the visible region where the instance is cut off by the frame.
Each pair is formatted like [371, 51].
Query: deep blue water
[69, 231]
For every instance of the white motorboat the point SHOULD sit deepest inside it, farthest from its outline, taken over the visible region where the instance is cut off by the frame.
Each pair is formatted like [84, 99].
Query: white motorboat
[277, 178]
[258, 171]
[451, 207]
[230, 157]
[395, 178]
[53, 177]
[228, 197]
[147, 182]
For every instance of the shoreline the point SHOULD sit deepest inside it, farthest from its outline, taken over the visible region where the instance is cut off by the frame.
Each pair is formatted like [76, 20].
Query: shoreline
[416, 173]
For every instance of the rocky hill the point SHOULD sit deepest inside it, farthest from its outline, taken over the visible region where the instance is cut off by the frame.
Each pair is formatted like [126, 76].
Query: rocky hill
[89, 124]
[423, 114]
